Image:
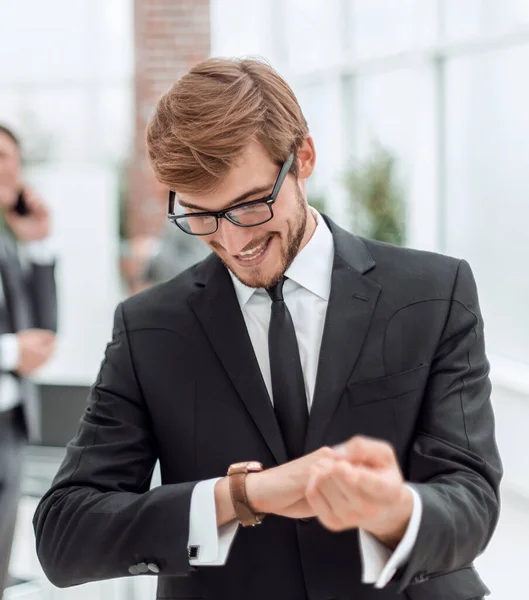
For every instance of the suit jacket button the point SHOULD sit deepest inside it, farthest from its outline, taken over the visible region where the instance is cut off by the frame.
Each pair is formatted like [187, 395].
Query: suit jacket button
[143, 568]
[133, 570]
[153, 568]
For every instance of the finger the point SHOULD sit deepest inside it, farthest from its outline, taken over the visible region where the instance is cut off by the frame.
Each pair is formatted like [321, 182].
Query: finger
[369, 451]
[318, 501]
[45, 336]
[45, 349]
[34, 202]
[30, 196]
[41, 356]
[357, 503]
[346, 503]
[48, 352]
[322, 511]
[318, 471]
[367, 486]
[48, 343]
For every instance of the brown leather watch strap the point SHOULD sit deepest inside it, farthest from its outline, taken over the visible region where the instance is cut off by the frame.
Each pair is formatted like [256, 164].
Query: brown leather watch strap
[237, 474]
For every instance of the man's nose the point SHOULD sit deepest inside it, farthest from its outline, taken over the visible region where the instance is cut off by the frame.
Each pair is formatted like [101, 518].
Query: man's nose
[232, 237]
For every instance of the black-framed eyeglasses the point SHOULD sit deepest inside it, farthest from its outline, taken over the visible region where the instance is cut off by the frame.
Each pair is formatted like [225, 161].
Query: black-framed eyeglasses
[247, 214]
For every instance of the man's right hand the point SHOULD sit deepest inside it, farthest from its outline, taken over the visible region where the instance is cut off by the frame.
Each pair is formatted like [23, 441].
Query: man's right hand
[281, 490]
[35, 348]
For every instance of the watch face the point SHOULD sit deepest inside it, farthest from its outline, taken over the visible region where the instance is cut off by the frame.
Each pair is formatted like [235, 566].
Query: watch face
[245, 467]
[254, 466]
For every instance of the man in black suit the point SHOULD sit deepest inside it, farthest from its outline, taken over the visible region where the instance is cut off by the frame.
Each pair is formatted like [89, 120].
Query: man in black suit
[28, 315]
[328, 393]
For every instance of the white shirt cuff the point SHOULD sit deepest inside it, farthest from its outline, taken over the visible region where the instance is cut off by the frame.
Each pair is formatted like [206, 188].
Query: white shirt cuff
[208, 545]
[379, 563]
[41, 252]
[9, 351]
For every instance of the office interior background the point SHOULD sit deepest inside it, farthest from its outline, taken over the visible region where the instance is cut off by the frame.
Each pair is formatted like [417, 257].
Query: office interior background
[440, 86]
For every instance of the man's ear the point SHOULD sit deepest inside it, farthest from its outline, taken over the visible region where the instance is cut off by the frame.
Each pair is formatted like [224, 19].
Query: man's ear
[306, 157]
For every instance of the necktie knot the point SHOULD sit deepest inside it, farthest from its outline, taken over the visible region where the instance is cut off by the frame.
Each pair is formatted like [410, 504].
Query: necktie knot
[276, 291]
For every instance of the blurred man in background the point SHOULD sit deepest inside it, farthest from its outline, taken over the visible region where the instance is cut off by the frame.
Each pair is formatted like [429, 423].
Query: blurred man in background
[174, 254]
[28, 321]
[162, 258]
[150, 259]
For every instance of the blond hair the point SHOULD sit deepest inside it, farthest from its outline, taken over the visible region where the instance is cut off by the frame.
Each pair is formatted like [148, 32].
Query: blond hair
[203, 123]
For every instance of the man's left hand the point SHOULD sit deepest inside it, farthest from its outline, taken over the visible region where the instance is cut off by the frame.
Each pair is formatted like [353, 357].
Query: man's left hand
[33, 226]
[362, 487]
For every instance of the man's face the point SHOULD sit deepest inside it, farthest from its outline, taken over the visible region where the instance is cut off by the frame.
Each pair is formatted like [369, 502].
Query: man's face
[9, 171]
[257, 256]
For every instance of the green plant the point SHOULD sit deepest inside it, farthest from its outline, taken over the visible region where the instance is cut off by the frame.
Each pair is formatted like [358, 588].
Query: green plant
[376, 198]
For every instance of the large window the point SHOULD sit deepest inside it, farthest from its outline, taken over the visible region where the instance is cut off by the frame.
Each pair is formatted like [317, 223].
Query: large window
[487, 183]
[379, 27]
[318, 21]
[442, 85]
[477, 17]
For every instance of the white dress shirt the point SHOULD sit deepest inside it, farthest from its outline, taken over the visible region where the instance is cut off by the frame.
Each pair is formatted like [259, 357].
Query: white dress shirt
[39, 252]
[306, 293]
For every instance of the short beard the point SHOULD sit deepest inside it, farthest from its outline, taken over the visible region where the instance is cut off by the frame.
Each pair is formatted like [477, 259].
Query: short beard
[295, 235]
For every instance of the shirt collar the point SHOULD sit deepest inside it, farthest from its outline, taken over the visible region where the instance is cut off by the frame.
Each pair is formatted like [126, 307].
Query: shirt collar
[311, 269]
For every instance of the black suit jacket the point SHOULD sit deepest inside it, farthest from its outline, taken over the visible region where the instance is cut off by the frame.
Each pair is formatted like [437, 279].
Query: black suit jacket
[402, 359]
[31, 301]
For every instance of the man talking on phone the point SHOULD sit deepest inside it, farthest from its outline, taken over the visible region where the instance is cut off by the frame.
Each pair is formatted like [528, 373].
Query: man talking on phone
[28, 322]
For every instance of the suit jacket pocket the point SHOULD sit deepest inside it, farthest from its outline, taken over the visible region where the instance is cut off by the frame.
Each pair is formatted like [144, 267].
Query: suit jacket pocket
[373, 390]
[462, 584]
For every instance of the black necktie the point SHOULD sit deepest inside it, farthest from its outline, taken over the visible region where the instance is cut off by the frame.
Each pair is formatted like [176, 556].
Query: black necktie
[288, 387]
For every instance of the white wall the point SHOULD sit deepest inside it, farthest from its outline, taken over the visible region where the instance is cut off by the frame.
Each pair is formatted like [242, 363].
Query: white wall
[82, 197]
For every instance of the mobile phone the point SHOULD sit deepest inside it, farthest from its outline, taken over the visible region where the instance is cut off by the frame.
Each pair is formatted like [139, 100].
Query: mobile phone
[21, 206]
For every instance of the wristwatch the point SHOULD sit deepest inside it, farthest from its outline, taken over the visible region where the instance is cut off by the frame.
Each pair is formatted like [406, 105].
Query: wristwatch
[237, 473]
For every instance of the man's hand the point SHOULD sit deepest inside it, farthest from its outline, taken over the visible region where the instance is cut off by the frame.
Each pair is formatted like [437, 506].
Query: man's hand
[356, 485]
[36, 347]
[281, 490]
[361, 486]
[33, 226]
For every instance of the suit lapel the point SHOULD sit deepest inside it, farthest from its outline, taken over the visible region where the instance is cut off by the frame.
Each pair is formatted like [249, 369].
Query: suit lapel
[216, 306]
[351, 305]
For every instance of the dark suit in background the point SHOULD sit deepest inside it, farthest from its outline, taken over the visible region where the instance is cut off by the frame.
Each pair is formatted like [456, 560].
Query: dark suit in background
[402, 359]
[28, 301]
[175, 254]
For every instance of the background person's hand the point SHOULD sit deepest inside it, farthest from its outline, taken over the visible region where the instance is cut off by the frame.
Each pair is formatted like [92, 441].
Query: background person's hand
[33, 226]
[36, 347]
[363, 487]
